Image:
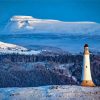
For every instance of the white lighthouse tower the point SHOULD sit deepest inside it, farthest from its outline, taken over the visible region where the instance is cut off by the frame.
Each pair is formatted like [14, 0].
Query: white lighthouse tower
[86, 72]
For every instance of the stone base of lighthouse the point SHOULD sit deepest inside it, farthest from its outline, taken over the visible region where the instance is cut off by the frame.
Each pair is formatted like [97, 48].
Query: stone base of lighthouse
[88, 83]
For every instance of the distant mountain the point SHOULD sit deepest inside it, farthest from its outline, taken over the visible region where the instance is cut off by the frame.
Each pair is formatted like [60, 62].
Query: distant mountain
[28, 24]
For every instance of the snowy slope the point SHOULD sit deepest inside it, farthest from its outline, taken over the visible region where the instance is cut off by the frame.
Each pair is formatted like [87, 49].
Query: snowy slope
[11, 48]
[28, 24]
[8, 46]
[51, 93]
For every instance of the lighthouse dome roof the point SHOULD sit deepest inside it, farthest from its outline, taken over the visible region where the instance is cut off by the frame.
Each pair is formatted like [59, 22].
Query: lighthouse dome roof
[86, 45]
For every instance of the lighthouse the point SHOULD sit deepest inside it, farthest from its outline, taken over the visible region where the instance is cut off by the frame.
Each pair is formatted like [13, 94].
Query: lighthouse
[86, 72]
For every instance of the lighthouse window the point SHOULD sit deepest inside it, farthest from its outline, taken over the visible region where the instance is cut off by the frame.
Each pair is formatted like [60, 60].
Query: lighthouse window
[86, 66]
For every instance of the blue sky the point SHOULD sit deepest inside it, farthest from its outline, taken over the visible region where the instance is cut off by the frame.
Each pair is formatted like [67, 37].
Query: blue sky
[66, 10]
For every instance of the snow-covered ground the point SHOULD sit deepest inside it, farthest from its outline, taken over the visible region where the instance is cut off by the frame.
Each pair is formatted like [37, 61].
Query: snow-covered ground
[53, 92]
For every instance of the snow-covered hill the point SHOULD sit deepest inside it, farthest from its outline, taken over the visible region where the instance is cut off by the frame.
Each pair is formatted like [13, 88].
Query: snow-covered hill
[51, 93]
[8, 46]
[28, 24]
[11, 48]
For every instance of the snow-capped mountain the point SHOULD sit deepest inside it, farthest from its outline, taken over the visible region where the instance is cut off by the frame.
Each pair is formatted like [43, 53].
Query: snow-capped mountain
[29, 24]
